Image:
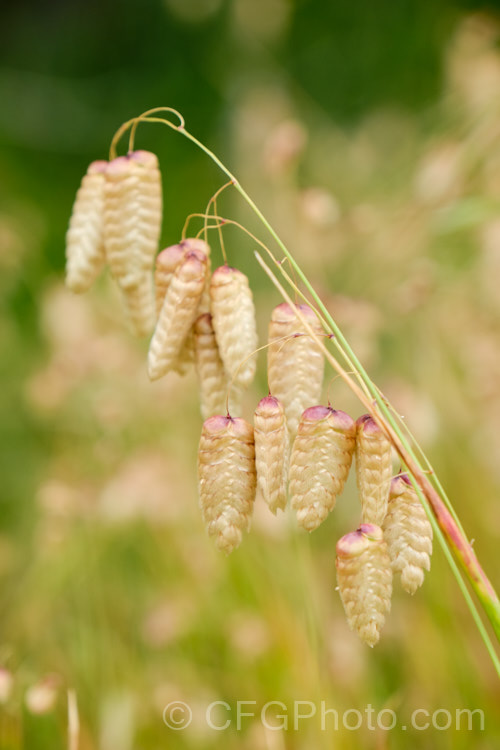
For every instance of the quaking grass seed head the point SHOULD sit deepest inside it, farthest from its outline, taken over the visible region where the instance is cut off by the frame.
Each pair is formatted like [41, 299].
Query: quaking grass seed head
[178, 313]
[271, 452]
[233, 317]
[85, 256]
[170, 258]
[227, 479]
[166, 264]
[364, 578]
[295, 361]
[132, 215]
[408, 533]
[373, 469]
[319, 465]
[131, 228]
[212, 377]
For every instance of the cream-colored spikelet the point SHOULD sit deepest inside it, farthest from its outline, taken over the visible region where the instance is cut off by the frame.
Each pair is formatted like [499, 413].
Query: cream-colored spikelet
[149, 207]
[321, 458]
[139, 306]
[132, 224]
[168, 260]
[233, 317]
[85, 256]
[165, 266]
[212, 376]
[178, 313]
[364, 578]
[132, 216]
[195, 244]
[408, 534]
[120, 228]
[227, 479]
[373, 469]
[271, 452]
[296, 364]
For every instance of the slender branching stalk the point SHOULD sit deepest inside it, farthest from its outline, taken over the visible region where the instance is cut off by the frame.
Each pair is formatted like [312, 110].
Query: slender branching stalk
[447, 527]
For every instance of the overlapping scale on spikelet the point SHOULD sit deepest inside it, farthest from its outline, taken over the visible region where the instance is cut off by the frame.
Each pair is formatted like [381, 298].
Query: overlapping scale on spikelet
[295, 361]
[227, 479]
[320, 461]
[132, 223]
[178, 313]
[233, 317]
[212, 376]
[85, 255]
[271, 452]
[149, 208]
[166, 264]
[168, 260]
[364, 578]
[408, 533]
[373, 469]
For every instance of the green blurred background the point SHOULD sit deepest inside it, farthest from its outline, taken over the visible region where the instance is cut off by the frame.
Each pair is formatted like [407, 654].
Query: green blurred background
[369, 134]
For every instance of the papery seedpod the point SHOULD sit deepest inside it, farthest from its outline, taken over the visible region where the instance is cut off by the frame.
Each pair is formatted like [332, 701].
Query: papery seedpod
[185, 359]
[364, 578]
[179, 311]
[85, 256]
[295, 361]
[233, 318]
[139, 305]
[408, 534]
[195, 244]
[201, 250]
[373, 469]
[172, 258]
[150, 207]
[321, 458]
[166, 264]
[212, 376]
[271, 452]
[168, 260]
[227, 479]
[132, 217]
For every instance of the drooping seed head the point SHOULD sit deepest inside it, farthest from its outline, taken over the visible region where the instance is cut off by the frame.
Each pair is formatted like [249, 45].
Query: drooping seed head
[364, 578]
[169, 259]
[295, 361]
[227, 479]
[408, 534]
[271, 452]
[321, 458]
[212, 376]
[166, 264]
[131, 228]
[85, 256]
[373, 469]
[132, 216]
[139, 306]
[233, 318]
[178, 313]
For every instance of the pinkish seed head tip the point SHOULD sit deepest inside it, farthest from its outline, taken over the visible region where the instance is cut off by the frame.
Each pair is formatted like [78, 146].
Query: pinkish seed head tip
[371, 531]
[144, 158]
[315, 413]
[97, 167]
[352, 544]
[269, 405]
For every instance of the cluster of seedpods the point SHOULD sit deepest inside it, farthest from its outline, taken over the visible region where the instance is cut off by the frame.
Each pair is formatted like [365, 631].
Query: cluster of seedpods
[296, 448]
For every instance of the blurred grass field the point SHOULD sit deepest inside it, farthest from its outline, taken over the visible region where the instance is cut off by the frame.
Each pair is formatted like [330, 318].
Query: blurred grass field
[390, 199]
